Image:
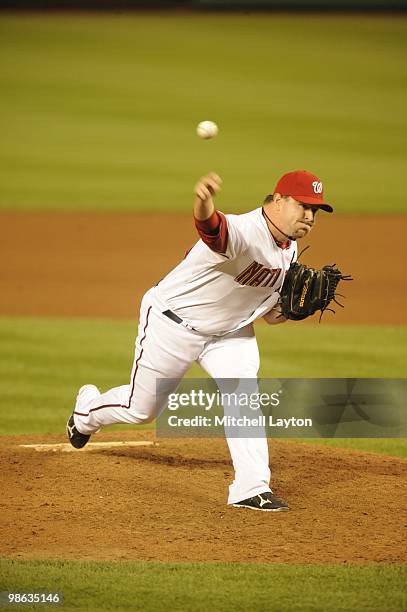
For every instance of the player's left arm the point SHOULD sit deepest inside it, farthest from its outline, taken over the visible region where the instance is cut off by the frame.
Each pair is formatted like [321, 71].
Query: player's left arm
[275, 316]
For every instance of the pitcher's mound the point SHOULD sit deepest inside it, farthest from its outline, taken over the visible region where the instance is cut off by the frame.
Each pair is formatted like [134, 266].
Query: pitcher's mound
[168, 503]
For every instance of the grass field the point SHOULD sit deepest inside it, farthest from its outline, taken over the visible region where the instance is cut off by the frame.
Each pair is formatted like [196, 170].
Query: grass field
[231, 587]
[44, 361]
[99, 112]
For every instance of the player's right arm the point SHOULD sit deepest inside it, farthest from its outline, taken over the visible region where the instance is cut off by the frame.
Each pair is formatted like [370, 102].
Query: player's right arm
[223, 235]
[206, 187]
[211, 224]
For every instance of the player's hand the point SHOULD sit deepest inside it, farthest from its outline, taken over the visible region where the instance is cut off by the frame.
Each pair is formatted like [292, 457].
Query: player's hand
[208, 186]
[275, 316]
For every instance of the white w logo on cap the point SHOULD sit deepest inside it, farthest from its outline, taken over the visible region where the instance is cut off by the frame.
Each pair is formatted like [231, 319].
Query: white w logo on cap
[317, 185]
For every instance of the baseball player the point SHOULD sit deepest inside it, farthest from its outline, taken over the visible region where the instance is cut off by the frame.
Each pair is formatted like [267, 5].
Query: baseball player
[203, 311]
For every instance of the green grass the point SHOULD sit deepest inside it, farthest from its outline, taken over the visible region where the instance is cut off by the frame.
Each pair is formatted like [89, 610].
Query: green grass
[330, 351]
[99, 112]
[200, 587]
[44, 361]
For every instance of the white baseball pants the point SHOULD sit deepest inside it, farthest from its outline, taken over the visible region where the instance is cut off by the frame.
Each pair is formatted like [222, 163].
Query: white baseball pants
[165, 349]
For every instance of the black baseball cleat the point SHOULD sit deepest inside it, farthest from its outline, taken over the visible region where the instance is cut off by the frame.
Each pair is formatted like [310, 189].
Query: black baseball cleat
[75, 437]
[85, 394]
[267, 502]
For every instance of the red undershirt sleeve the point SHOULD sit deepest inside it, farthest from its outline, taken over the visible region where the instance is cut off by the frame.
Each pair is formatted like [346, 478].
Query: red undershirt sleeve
[214, 231]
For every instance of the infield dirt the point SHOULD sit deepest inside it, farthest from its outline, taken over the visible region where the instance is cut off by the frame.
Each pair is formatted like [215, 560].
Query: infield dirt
[99, 265]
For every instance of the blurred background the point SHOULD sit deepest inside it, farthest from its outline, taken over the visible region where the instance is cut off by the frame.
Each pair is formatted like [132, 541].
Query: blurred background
[98, 109]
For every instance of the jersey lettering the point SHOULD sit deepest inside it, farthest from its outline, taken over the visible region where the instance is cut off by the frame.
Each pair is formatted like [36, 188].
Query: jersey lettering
[248, 273]
[257, 275]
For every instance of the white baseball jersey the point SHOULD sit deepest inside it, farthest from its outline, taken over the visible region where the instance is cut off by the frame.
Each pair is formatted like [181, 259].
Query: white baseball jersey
[229, 278]
[220, 288]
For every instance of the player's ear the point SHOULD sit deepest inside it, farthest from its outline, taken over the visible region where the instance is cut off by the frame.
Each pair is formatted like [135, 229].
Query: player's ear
[278, 200]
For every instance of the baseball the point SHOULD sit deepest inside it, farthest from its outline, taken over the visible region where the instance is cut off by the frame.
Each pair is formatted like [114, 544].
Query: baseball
[207, 129]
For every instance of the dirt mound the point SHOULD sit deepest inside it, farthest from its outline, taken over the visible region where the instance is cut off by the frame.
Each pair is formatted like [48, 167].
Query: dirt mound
[168, 503]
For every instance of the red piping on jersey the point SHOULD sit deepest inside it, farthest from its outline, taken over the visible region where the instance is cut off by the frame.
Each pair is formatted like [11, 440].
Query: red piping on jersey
[133, 380]
[214, 231]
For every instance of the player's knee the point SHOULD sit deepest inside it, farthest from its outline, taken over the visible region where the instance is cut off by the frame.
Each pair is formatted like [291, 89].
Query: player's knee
[140, 418]
[141, 414]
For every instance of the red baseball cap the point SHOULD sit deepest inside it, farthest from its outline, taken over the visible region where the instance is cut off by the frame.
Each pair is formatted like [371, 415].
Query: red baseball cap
[304, 187]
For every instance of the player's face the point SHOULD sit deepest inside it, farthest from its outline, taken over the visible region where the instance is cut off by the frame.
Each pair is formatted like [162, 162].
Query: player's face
[297, 217]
